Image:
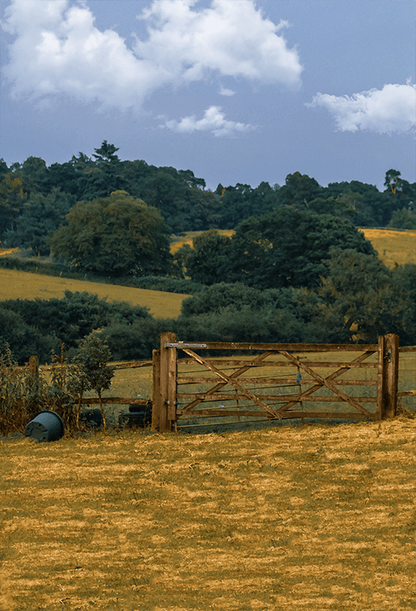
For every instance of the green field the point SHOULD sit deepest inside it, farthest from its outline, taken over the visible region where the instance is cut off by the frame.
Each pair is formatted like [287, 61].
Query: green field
[291, 518]
[24, 285]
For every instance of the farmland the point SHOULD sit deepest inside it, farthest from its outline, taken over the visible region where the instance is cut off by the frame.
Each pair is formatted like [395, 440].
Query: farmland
[24, 285]
[310, 517]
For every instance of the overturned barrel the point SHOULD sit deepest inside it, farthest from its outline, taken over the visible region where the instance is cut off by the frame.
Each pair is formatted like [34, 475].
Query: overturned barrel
[46, 426]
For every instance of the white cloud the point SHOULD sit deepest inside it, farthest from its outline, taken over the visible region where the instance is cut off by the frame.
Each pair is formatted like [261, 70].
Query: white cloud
[213, 121]
[226, 92]
[387, 110]
[58, 50]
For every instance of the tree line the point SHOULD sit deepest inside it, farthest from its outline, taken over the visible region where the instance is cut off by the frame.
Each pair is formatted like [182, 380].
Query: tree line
[35, 199]
[295, 268]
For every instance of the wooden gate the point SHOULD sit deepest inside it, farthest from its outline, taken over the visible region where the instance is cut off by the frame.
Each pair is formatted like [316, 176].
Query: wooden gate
[272, 381]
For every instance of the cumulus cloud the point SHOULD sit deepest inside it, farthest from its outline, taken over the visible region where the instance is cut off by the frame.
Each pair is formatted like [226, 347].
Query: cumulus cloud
[388, 110]
[58, 50]
[213, 121]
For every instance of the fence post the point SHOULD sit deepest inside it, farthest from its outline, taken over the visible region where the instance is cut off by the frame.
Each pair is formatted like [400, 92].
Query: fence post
[167, 408]
[390, 377]
[34, 365]
[156, 399]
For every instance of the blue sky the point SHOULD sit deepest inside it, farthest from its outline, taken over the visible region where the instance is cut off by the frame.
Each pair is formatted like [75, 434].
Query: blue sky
[234, 90]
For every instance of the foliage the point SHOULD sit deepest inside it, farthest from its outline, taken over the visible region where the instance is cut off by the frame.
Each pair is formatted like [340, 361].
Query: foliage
[12, 200]
[286, 247]
[23, 393]
[115, 235]
[40, 216]
[91, 368]
[403, 219]
[208, 262]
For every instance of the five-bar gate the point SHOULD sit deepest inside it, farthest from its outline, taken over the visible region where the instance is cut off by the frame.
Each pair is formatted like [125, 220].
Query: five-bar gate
[193, 381]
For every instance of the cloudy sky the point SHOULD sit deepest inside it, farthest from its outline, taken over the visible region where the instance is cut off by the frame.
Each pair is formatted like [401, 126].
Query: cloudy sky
[235, 90]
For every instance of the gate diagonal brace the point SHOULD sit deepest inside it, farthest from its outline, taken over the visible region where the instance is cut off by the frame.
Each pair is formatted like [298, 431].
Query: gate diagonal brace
[327, 382]
[233, 382]
[217, 387]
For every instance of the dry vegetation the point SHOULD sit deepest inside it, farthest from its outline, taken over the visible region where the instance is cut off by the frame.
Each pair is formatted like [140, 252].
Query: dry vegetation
[312, 517]
[394, 247]
[24, 285]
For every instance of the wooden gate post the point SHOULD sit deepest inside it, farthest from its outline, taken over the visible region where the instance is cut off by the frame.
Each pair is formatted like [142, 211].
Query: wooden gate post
[156, 397]
[388, 376]
[167, 409]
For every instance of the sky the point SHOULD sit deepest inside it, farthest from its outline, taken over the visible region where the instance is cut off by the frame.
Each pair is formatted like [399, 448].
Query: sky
[238, 91]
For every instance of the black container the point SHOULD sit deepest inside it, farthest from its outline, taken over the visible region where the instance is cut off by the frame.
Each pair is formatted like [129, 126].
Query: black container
[138, 415]
[92, 417]
[46, 426]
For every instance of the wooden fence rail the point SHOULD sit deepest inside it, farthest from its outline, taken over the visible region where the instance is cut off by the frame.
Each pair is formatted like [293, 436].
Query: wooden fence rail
[266, 380]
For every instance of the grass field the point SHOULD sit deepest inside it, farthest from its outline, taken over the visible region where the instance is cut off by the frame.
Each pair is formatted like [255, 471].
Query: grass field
[394, 247]
[309, 518]
[24, 285]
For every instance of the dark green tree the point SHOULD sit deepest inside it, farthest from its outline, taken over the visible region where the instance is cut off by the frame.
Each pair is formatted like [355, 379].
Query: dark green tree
[114, 235]
[298, 190]
[41, 216]
[208, 263]
[287, 247]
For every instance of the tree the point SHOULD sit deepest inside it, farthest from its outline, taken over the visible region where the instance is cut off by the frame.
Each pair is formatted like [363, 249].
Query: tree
[298, 190]
[12, 200]
[365, 297]
[41, 216]
[288, 247]
[114, 235]
[92, 370]
[403, 219]
[208, 262]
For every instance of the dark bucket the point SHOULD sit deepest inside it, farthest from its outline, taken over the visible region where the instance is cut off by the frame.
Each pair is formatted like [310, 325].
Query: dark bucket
[46, 426]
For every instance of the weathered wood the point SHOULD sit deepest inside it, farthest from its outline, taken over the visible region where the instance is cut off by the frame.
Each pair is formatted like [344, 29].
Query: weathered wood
[120, 400]
[130, 364]
[407, 348]
[277, 381]
[380, 377]
[34, 364]
[406, 393]
[204, 413]
[390, 376]
[275, 398]
[326, 381]
[233, 382]
[157, 398]
[286, 347]
[282, 363]
[239, 372]
[167, 408]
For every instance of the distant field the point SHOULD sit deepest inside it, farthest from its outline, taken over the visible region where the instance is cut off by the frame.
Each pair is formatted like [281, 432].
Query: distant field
[179, 241]
[23, 285]
[394, 247]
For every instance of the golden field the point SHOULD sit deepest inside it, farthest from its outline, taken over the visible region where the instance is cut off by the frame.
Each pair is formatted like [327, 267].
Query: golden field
[394, 247]
[297, 518]
[24, 285]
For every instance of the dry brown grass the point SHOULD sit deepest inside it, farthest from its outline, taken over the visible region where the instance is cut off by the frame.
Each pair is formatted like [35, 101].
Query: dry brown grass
[314, 517]
[394, 247]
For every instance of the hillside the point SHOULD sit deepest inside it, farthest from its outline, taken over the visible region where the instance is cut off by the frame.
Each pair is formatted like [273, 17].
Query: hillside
[23, 285]
[394, 247]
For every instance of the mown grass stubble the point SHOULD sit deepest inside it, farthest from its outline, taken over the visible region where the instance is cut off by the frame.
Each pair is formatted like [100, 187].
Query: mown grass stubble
[312, 517]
